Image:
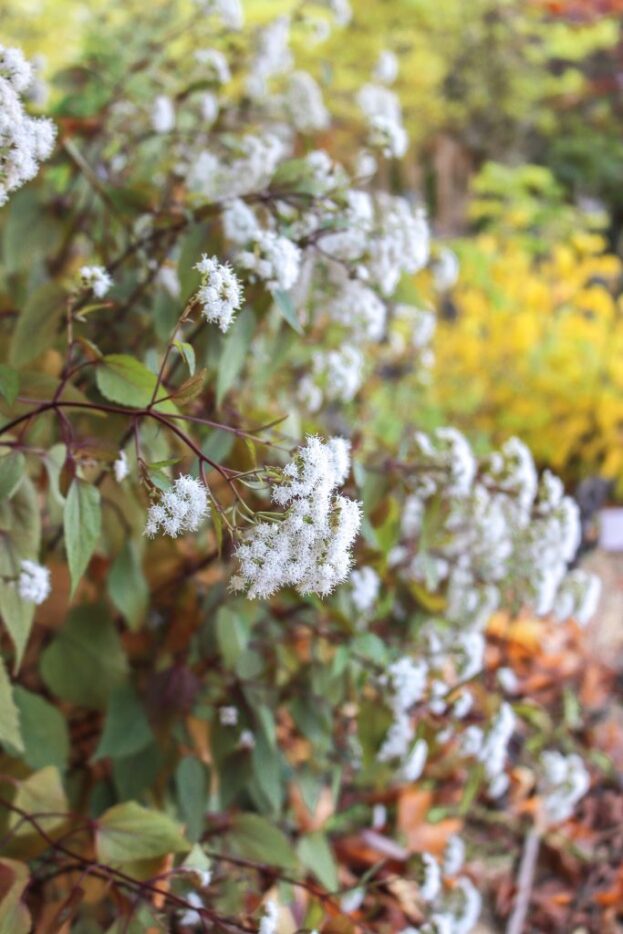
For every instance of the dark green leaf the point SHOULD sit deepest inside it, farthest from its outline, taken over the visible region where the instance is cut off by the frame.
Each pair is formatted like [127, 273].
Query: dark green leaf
[82, 521]
[44, 730]
[126, 728]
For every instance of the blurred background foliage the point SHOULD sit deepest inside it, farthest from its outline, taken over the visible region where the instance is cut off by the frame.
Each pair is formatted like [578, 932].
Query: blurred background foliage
[514, 112]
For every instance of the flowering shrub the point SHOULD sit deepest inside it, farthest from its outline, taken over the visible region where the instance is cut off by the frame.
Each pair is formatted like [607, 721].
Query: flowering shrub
[210, 722]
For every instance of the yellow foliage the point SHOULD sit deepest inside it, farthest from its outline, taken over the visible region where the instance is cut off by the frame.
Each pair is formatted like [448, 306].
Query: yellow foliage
[536, 349]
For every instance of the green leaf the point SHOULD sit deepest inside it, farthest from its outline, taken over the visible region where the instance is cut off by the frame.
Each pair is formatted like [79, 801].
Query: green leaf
[235, 350]
[9, 714]
[127, 586]
[82, 521]
[315, 854]
[188, 353]
[128, 832]
[192, 794]
[20, 526]
[231, 634]
[126, 728]
[9, 383]
[257, 838]
[85, 661]
[41, 793]
[44, 729]
[126, 381]
[12, 467]
[288, 311]
[136, 774]
[38, 323]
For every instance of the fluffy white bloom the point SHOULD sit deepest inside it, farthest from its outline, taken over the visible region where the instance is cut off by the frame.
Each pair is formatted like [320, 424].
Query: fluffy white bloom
[24, 141]
[310, 394]
[389, 137]
[415, 761]
[360, 309]
[239, 222]
[462, 705]
[209, 107]
[472, 741]
[228, 716]
[97, 279]
[445, 270]
[453, 856]
[215, 65]
[399, 244]
[33, 584]
[577, 596]
[121, 467]
[305, 103]
[431, 882]
[366, 584]
[352, 900]
[272, 57]
[249, 165]
[494, 748]
[270, 918]
[341, 372]
[190, 915]
[272, 258]
[407, 682]
[247, 740]
[168, 278]
[309, 548]
[563, 782]
[508, 680]
[162, 114]
[220, 293]
[180, 509]
[386, 68]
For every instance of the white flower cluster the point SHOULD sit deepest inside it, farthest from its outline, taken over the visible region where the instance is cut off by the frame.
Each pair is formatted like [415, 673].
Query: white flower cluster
[229, 12]
[407, 681]
[180, 509]
[220, 293]
[215, 65]
[272, 56]
[359, 309]
[365, 586]
[500, 531]
[33, 584]
[305, 103]
[309, 546]
[272, 258]
[245, 165]
[121, 467]
[162, 114]
[564, 780]
[270, 919]
[24, 141]
[97, 279]
[381, 108]
[454, 909]
[338, 375]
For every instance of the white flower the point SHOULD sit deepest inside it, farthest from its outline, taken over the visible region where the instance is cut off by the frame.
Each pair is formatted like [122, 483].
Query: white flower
[228, 716]
[415, 762]
[97, 279]
[168, 278]
[389, 137]
[272, 258]
[431, 883]
[305, 103]
[577, 596]
[493, 751]
[445, 270]
[563, 782]
[180, 509]
[33, 584]
[230, 12]
[121, 467]
[215, 65]
[341, 371]
[386, 68]
[454, 856]
[309, 548]
[24, 141]
[360, 309]
[366, 584]
[247, 740]
[239, 222]
[162, 114]
[270, 918]
[220, 293]
[352, 900]
[190, 916]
